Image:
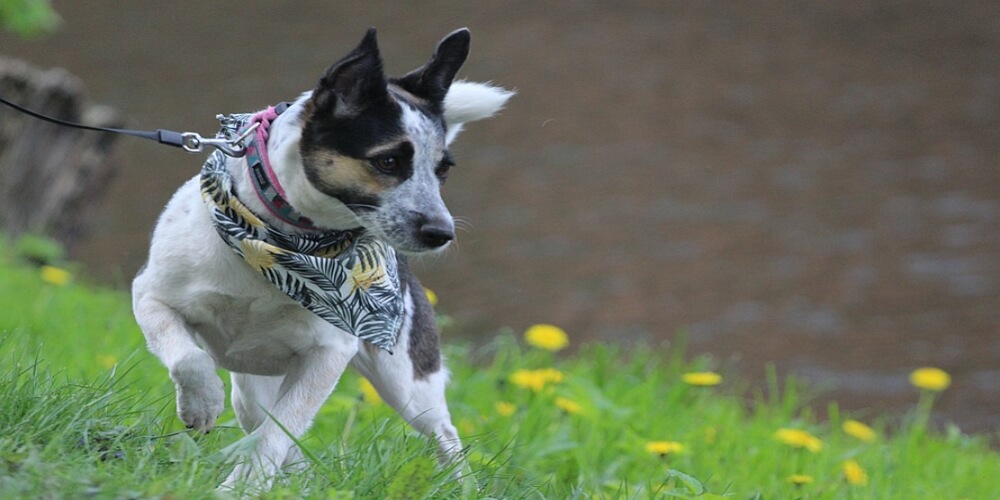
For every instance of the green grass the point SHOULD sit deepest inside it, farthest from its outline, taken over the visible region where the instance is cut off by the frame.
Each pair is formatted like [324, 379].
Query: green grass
[86, 412]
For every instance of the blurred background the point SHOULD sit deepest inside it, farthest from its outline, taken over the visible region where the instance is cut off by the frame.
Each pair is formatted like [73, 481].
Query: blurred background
[809, 184]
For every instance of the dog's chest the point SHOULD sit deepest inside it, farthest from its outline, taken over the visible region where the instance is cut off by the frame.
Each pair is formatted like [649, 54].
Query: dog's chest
[258, 334]
[246, 323]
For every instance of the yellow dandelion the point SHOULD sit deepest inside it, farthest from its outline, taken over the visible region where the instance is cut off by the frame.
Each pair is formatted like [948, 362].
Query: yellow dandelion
[854, 474]
[859, 430]
[56, 275]
[258, 254]
[368, 393]
[536, 380]
[702, 379]
[106, 360]
[800, 479]
[664, 448]
[930, 379]
[431, 296]
[505, 409]
[547, 337]
[569, 406]
[527, 379]
[551, 375]
[799, 438]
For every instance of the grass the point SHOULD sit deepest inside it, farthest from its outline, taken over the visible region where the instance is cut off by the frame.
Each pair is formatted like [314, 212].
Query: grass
[86, 412]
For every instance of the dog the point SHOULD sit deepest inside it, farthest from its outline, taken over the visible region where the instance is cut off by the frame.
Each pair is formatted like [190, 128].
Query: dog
[361, 157]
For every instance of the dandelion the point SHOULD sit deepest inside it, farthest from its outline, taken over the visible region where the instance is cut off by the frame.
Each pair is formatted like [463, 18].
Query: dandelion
[800, 479]
[368, 393]
[664, 448]
[799, 438]
[930, 379]
[536, 380]
[56, 275]
[569, 406]
[106, 361]
[702, 379]
[505, 409]
[431, 297]
[547, 337]
[859, 431]
[854, 474]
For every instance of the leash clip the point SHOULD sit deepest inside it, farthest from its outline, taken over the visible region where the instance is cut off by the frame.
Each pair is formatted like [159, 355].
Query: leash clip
[192, 142]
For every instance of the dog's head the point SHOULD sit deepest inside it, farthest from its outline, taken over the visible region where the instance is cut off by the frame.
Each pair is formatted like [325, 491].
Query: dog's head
[378, 146]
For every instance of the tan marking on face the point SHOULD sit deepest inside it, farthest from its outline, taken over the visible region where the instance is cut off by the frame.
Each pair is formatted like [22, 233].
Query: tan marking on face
[344, 172]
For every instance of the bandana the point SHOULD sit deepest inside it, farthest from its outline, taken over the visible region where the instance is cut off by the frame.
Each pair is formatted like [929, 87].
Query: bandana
[348, 278]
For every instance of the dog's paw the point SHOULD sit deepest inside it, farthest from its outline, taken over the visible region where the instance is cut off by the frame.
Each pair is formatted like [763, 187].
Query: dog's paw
[198, 407]
[200, 394]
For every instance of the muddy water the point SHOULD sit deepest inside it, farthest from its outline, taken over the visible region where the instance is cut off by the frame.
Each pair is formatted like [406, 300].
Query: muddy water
[811, 184]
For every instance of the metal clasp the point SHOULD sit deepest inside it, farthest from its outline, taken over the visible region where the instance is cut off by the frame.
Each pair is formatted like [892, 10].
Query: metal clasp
[195, 143]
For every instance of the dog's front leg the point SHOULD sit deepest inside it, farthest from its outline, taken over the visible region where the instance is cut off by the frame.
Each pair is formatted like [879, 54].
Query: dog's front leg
[311, 378]
[200, 392]
[419, 400]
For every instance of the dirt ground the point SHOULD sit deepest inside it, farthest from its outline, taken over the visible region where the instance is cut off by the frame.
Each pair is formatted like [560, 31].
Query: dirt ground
[809, 184]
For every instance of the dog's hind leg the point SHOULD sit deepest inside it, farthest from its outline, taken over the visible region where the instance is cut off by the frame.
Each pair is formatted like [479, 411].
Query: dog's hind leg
[311, 377]
[253, 396]
[200, 392]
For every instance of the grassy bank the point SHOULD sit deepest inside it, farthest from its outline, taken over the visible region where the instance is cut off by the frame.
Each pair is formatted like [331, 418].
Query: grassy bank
[85, 411]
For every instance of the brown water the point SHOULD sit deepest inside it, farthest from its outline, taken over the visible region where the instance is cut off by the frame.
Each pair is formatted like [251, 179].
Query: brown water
[812, 184]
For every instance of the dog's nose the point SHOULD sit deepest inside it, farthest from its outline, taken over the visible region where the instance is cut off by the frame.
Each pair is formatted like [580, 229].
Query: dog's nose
[436, 234]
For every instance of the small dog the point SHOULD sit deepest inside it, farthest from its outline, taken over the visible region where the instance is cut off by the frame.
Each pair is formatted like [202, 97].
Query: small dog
[331, 187]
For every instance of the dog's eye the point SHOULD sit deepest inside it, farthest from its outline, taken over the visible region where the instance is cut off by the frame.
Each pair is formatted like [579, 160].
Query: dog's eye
[443, 169]
[388, 163]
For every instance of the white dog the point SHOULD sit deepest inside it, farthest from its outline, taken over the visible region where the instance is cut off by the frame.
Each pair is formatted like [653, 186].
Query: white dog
[281, 266]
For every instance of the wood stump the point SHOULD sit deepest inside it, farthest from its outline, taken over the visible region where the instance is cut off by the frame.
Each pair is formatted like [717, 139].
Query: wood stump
[51, 176]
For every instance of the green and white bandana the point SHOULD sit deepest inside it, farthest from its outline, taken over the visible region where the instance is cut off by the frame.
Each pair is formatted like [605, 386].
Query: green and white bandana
[348, 278]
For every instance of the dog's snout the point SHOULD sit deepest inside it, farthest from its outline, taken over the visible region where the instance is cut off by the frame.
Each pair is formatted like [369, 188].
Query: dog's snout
[434, 234]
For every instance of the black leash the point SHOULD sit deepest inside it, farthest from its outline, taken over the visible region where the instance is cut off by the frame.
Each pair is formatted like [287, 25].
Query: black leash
[189, 141]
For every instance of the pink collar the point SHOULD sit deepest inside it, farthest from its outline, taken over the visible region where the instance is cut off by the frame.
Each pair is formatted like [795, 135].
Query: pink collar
[265, 183]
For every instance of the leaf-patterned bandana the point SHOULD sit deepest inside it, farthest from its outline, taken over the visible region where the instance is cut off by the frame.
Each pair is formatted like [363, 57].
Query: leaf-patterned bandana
[348, 278]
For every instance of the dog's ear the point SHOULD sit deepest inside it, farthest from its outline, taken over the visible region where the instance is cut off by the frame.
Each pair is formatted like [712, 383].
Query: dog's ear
[470, 101]
[353, 83]
[432, 80]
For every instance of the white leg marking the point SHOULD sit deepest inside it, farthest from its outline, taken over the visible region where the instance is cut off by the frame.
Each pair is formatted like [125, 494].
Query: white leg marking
[310, 380]
[420, 402]
[200, 395]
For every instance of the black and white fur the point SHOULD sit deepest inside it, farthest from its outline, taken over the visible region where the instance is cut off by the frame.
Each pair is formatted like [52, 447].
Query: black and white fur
[358, 150]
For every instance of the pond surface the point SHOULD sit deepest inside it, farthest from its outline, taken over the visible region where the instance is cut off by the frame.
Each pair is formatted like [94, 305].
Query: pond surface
[810, 184]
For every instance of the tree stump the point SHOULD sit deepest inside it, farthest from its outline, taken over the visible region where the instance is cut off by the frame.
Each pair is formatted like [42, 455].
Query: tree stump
[50, 175]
